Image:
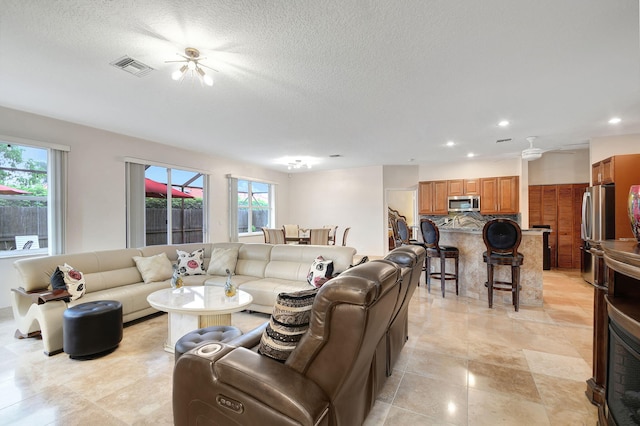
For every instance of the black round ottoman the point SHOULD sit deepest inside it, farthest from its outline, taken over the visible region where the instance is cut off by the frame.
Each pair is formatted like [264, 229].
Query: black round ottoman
[91, 328]
[215, 333]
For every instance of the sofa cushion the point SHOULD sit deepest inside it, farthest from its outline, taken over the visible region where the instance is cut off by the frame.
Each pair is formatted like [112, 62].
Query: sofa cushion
[288, 323]
[320, 272]
[221, 260]
[191, 263]
[154, 268]
[74, 281]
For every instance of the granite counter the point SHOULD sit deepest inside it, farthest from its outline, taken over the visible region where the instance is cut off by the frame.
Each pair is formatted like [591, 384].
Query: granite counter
[473, 270]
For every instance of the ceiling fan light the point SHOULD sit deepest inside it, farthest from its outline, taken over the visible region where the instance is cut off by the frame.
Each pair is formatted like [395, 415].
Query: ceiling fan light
[177, 74]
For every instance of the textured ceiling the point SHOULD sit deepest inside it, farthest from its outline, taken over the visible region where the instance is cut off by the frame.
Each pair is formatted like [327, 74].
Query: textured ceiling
[379, 82]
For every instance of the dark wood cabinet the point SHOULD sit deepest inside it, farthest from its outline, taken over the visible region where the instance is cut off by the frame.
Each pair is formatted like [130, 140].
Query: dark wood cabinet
[432, 198]
[499, 195]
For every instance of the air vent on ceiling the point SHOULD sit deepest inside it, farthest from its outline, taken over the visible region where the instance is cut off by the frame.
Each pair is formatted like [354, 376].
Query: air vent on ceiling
[503, 140]
[132, 66]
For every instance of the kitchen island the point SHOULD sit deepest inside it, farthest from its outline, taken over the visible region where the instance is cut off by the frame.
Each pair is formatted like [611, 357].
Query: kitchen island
[473, 270]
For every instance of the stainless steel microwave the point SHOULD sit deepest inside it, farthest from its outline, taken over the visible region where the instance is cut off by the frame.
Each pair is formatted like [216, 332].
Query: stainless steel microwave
[464, 203]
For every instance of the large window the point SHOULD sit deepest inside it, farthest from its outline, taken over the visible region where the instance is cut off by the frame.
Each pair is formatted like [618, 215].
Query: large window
[165, 205]
[255, 206]
[31, 199]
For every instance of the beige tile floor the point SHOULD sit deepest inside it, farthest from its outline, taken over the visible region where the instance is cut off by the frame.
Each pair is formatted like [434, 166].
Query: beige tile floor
[464, 364]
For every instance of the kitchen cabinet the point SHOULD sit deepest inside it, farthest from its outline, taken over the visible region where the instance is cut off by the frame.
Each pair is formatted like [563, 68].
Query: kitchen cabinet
[463, 187]
[623, 171]
[432, 197]
[499, 195]
[471, 187]
[602, 171]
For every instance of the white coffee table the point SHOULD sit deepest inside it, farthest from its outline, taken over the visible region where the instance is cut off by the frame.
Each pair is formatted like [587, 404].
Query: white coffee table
[194, 307]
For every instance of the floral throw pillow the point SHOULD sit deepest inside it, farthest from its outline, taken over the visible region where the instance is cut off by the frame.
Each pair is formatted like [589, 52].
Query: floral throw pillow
[320, 272]
[74, 280]
[191, 263]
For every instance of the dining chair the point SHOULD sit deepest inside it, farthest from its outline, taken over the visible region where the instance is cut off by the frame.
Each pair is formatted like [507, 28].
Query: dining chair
[319, 236]
[333, 231]
[344, 236]
[276, 235]
[291, 233]
[502, 238]
[266, 234]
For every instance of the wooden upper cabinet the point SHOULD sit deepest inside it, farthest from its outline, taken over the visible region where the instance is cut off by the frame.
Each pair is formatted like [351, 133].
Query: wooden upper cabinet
[499, 195]
[471, 187]
[432, 198]
[463, 187]
[623, 171]
[455, 187]
[603, 172]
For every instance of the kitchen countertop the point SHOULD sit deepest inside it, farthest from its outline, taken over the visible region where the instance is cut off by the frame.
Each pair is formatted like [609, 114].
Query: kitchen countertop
[533, 231]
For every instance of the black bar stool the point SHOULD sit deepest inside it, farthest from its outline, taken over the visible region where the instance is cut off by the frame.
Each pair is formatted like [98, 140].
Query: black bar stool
[502, 238]
[431, 237]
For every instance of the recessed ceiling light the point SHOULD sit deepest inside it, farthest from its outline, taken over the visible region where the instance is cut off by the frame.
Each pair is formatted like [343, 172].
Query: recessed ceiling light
[450, 143]
[503, 123]
[615, 120]
[471, 154]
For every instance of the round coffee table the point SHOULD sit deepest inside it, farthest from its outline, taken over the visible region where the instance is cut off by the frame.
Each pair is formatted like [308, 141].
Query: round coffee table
[194, 307]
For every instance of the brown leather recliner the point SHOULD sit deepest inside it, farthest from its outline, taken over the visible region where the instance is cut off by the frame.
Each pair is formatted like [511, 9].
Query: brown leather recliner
[408, 257]
[329, 379]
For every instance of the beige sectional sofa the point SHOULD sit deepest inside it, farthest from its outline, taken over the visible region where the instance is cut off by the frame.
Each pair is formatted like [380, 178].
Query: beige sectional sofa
[263, 270]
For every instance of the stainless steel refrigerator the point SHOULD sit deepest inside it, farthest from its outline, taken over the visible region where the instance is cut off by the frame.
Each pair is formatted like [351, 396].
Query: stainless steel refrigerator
[598, 224]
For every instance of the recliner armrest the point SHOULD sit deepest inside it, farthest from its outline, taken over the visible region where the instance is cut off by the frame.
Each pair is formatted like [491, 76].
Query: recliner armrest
[250, 339]
[243, 386]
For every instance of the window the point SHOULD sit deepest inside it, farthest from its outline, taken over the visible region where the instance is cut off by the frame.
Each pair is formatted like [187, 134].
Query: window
[165, 205]
[255, 206]
[31, 199]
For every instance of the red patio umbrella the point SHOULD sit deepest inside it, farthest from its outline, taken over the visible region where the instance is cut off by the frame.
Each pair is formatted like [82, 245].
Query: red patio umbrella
[155, 189]
[7, 190]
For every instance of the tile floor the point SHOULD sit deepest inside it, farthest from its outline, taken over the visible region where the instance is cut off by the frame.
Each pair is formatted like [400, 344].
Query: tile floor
[463, 365]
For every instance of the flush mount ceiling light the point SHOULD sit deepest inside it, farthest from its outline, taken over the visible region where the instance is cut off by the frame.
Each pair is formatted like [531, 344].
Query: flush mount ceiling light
[191, 64]
[503, 123]
[298, 164]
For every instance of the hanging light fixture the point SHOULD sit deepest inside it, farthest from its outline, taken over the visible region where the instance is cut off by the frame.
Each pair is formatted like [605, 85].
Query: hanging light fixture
[191, 58]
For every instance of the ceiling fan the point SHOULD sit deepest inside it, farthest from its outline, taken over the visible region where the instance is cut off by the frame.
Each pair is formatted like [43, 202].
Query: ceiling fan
[531, 153]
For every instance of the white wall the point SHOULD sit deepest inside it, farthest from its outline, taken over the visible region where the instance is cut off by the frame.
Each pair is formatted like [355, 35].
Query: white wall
[560, 168]
[605, 147]
[96, 208]
[347, 197]
[470, 169]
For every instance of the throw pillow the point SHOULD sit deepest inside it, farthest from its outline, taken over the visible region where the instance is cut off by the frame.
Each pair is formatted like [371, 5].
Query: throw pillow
[74, 281]
[223, 259]
[320, 272]
[191, 263]
[154, 268]
[57, 280]
[288, 323]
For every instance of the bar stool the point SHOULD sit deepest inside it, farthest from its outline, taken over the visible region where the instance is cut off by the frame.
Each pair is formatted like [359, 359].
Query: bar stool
[502, 238]
[431, 237]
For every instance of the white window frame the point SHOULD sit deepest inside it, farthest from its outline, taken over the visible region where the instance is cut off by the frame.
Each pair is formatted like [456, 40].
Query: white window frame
[57, 159]
[271, 208]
